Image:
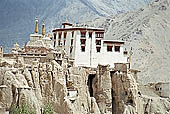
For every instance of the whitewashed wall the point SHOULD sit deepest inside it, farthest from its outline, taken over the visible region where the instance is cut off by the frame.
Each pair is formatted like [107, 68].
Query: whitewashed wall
[90, 58]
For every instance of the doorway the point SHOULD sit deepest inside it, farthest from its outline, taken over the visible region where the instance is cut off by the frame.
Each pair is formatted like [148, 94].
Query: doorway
[90, 84]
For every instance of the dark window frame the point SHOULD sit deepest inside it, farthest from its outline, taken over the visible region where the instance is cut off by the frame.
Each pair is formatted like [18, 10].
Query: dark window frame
[117, 48]
[64, 42]
[72, 34]
[109, 48]
[98, 42]
[83, 41]
[72, 41]
[90, 34]
[98, 49]
[83, 34]
[83, 49]
[65, 34]
[54, 36]
[59, 42]
[59, 35]
[71, 49]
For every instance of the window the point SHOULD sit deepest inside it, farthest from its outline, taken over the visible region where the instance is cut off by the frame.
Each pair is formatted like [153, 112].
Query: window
[65, 34]
[109, 48]
[125, 52]
[59, 42]
[54, 36]
[98, 42]
[83, 41]
[90, 34]
[99, 34]
[59, 35]
[64, 42]
[54, 44]
[83, 34]
[71, 41]
[82, 48]
[98, 49]
[71, 49]
[117, 48]
[73, 34]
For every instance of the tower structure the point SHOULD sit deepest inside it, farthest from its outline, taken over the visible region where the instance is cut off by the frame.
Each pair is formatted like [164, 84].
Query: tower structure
[43, 28]
[36, 25]
[39, 43]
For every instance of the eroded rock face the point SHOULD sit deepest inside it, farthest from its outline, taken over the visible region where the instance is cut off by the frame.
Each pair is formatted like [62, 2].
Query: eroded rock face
[102, 89]
[124, 93]
[44, 83]
[75, 90]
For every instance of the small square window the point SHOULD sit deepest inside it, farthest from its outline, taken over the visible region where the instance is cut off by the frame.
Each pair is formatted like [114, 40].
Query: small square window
[98, 42]
[83, 41]
[98, 49]
[125, 53]
[109, 48]
[82, 48]
[83, 34]
[117, 48]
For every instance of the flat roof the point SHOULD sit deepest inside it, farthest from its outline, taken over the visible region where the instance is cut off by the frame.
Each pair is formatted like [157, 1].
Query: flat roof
[65, 23]
[79, 28]
[36, 34]
[113, 41]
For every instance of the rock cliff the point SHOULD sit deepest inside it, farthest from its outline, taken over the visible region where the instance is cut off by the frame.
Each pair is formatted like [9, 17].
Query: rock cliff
[76, 90]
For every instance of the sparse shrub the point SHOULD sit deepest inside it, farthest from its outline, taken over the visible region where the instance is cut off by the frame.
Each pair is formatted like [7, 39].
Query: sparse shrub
[48, 109]
[23, 109]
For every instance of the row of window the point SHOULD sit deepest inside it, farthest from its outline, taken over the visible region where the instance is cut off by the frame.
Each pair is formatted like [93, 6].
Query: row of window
[98, 43]
[109, 48]
[83, 34]
[59, 42]
[82, 42]
[98, 35]
[60, 34]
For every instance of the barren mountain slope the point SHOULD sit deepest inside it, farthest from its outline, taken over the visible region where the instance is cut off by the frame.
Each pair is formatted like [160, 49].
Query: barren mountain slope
[147, 31]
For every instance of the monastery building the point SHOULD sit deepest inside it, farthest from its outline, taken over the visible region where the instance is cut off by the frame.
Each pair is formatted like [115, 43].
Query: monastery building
[86, 46]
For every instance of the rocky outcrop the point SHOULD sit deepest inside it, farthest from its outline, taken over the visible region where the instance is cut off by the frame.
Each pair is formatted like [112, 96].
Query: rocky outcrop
[125, 93]
[102, 89]
[66, 89]
[77, 90]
